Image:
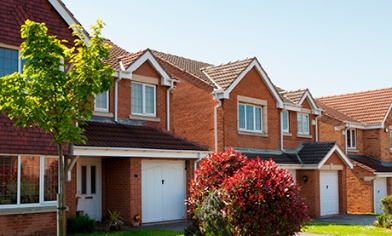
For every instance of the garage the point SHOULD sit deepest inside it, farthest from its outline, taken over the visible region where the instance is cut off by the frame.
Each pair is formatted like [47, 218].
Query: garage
[163, 190]
[380, 191]
[329, 193]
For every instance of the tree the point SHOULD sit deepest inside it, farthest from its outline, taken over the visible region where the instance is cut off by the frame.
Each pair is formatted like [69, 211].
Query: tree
[232, 195]
[56, 89]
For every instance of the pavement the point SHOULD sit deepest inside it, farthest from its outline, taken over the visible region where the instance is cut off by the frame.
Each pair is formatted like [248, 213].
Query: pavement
[352, 219]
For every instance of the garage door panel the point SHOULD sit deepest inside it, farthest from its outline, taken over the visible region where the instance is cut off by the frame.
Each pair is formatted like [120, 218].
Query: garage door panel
[329, 193]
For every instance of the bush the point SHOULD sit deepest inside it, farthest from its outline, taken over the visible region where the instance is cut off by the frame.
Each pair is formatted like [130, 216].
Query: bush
[80, 224]
[386, 204]
[384, 221]
[259, 197]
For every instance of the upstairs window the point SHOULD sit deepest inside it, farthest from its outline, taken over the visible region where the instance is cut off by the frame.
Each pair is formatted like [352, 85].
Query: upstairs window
[143, 99]
[285, 121]
[250, 118]
[351, 138]
[302, 123]
[28, 180]
[9, 61]
[102, 102]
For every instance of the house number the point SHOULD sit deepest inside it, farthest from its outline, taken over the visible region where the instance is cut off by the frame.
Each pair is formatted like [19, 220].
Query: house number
[163, 181]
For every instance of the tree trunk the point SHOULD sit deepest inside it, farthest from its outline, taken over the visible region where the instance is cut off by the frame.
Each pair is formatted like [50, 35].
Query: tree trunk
[61, 197]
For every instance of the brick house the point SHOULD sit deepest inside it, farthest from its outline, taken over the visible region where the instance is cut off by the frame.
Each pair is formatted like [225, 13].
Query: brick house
[361, 123]
[237, 105]
[130, 156]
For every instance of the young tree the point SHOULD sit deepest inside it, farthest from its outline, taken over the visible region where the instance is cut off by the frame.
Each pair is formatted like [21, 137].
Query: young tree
[56, 89]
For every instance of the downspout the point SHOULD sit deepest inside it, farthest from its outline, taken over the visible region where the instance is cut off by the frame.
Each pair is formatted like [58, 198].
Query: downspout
[168, 104]
[119, 60]
[281, 127]
[345, 138]
[316, 131]
[195, 164]
[216, 121]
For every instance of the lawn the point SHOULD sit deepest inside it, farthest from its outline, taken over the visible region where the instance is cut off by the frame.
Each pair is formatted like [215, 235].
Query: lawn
[345, 230]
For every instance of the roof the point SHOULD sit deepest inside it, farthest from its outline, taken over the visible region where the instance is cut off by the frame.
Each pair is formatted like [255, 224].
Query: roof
[121, 135]
[224, 75]
[369, 163]
[329, 111]
[127, 58]
[306, 153]
[367, 107]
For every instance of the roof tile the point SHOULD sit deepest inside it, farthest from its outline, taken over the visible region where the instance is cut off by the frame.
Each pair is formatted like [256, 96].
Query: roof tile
[369, 163]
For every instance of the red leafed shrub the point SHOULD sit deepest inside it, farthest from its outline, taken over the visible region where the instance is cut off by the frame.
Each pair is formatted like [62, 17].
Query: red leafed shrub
[259, 197]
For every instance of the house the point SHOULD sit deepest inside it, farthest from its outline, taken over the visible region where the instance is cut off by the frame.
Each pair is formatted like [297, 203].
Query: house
[130, 156]
[361, 123]
[237, 105]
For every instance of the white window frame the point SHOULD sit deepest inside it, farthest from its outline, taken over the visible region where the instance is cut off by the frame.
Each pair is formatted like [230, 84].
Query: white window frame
[303, 124]
[107, 103]
[288, 122]
[353, 136]
[42, 202]
[18, 51]
[144, 113]
[246, 129]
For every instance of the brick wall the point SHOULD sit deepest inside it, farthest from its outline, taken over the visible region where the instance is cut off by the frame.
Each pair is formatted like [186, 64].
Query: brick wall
[310, 191]
[359, 191]
[28, 224]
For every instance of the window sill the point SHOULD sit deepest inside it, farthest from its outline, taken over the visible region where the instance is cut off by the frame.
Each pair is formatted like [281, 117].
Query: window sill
[352, 150]
[17, 210]
[304, 136]
[102, 113]
[252, 133]
[287, 134]
[146, 118]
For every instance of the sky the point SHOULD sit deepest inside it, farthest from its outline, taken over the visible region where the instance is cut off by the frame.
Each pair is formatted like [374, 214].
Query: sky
[329, 47]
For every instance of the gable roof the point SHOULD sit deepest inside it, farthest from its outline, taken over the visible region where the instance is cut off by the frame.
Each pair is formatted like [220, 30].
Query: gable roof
[367, 107]
[109, 138]
[294, 99]
[308, 155]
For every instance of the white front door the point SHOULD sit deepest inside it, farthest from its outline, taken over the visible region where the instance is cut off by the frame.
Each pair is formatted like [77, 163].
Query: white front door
[380, 191]
[88, 187]
[163, 190]
[329, 193]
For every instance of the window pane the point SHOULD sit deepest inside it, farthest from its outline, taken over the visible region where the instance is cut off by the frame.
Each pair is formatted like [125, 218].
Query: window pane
[137, 99]
[258, 118]
[8, 61]
[84, 180]
[29, 185]
[8, 179]
[353, 138]
[241, 116]
[348, 135]
[101, 101]
[285, 121]
[249, 117]
[299, 123]
[306, 124]
[150, 100]
[50, 179]
[93, 180]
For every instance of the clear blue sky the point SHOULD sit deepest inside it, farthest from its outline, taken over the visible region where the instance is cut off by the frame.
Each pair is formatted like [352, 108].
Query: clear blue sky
[330, 47]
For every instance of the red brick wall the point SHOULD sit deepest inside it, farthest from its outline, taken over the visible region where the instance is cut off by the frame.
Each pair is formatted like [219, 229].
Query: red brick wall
[147, 70]
[310, 191]
[136, 187]
[252, 86]
[192, 107]
[359, 191]
[291, 141]
[28, 224]
[327, 131]
[71, 194]
[13, 14]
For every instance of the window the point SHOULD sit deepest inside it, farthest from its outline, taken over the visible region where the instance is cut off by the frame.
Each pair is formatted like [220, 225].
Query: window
[102, 102]
[249, 118]
[143, 99]
[285, 121]
[302, 123]
[351, 138]
[9, 61]
[26, 180]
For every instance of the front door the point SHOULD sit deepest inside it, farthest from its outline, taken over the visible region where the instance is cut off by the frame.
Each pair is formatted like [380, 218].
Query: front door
[88, 187]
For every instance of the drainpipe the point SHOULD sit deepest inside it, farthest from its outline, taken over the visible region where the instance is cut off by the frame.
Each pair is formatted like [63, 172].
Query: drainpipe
[195, 164]
[281, 127]
[316, 131]
[216, 121]
[345, 138]
[119, 60]
[168, 104]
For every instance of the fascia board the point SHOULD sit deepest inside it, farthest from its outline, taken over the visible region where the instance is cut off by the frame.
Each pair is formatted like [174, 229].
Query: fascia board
[383, 174]
[386, 115]
[341, 154]
[134, 152]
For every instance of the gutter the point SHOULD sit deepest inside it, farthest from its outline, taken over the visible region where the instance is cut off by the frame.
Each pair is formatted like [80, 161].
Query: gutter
[119, 60]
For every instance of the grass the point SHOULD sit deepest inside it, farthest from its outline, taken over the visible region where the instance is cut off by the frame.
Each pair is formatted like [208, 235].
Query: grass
[135, 233]
[345, 230]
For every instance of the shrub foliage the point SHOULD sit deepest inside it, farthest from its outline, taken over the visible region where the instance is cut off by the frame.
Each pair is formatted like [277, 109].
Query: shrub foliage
[252, 197]
[80, 224]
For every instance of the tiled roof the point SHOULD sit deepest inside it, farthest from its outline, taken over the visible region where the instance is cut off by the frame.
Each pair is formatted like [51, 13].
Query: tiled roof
[119, 135]
[127, 58]
[369, 163]
[305, 153]
[293, 96]
[224, 75]
[368, 107]
[329, 111]
[190, 66]
[314, 152]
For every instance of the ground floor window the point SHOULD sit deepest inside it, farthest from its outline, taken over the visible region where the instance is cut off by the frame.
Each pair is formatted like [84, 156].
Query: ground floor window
[28, 180]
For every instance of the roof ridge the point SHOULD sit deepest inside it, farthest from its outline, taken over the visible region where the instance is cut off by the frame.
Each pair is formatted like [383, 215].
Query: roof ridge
[352, 93]
[180, 57]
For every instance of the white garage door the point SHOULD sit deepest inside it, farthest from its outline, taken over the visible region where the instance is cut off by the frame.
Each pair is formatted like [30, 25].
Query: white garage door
[380, 191]
[329, 193]
[293, 174]
[163, 190]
